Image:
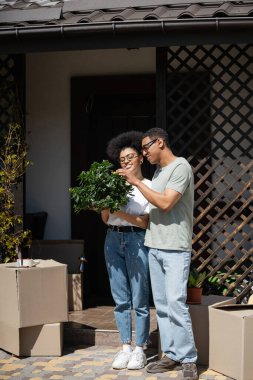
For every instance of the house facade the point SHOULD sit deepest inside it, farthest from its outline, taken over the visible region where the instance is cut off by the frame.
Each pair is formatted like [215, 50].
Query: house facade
[86, 73]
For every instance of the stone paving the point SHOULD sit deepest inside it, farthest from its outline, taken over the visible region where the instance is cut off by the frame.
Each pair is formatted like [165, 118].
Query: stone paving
[84, 362]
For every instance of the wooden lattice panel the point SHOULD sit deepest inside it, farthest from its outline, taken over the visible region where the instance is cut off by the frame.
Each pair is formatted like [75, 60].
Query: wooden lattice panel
[210, 122]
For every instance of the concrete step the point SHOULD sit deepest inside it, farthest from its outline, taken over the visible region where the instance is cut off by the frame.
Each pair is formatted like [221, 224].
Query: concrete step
[78, 334]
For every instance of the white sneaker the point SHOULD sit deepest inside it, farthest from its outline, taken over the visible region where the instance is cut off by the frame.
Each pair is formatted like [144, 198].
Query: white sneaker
[138, 360]
[121, 360]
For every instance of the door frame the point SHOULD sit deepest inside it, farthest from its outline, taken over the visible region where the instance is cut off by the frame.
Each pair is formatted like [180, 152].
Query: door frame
[83, 92]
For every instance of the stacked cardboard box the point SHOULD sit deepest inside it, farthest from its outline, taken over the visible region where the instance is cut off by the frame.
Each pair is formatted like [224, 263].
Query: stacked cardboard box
[33, 305]
[75, 291]
[66, 252]
[231, 339]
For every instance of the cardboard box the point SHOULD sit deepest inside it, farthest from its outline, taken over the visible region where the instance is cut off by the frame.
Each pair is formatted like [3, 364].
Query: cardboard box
[33, 296]
[231, 339]
[75, 292]
[200, 326]
[44, 340]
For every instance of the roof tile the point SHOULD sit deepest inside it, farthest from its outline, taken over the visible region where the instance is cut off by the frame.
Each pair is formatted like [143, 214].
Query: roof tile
[40, 12]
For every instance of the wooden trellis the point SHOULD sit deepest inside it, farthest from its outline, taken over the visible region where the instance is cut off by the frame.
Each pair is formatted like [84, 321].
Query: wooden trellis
[210, 122]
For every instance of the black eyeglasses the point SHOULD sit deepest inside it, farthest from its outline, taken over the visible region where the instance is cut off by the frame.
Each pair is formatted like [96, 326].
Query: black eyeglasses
[128, 157]
[146, 147]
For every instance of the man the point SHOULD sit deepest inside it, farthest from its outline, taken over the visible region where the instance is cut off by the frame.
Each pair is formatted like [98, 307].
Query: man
[169, 238]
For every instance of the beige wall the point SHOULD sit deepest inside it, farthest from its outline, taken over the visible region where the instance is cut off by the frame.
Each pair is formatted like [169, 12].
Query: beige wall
[48, 123]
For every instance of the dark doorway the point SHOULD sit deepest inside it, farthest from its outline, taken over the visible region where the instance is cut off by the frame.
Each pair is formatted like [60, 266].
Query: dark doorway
[102, 107]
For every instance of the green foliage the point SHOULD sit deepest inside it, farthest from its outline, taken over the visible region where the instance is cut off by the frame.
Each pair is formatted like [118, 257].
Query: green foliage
[13, 163]
[100, 188]
[222, 286]
[196, 279]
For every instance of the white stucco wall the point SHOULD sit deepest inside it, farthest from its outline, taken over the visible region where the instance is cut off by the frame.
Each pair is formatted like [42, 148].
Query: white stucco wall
[48, 123]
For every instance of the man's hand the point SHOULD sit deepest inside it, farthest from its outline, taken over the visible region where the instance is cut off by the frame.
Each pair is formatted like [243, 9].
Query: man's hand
[130, 177]
[165, 200]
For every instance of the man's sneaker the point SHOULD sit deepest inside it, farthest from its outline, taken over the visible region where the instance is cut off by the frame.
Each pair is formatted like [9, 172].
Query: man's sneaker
[190, 371]
[163, 365]
[121, 360]
[138, 360]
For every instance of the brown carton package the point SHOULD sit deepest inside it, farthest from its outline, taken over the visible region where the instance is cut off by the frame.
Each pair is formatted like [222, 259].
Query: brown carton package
[43, 340]
[75, 292]
[231, 339]
[200, 326]
[33, 296]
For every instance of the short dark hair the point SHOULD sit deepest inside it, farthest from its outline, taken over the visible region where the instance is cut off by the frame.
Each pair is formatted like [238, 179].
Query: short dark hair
[157, 133]
[131, 139]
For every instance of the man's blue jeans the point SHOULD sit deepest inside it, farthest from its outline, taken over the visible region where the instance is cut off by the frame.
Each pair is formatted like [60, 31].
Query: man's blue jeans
[169, 272]
[127, 264]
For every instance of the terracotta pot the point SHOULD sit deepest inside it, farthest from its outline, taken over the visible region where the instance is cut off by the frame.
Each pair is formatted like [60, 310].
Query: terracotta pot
[194, 296]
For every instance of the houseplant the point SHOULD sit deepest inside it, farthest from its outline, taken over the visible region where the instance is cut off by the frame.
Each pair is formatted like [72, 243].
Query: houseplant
[100, 188]
[194, 286]
[13, 163]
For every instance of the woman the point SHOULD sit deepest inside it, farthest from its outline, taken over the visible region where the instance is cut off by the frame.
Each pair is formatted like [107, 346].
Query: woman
[127, 258]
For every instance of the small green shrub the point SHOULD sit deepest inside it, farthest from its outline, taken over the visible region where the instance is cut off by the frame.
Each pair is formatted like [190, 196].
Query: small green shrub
[220, 286]
[196, 279]
[13, 163]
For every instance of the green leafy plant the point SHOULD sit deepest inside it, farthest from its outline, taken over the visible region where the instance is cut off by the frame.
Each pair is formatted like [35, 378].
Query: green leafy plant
[196, 279]
[13, 163]
[220, 286]
[100, 188]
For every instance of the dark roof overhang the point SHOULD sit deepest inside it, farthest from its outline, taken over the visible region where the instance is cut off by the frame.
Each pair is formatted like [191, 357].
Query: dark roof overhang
[125, 34]
[58, 25]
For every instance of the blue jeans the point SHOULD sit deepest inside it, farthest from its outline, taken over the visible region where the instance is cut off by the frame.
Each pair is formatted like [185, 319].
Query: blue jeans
[169, 272]
[127, 265]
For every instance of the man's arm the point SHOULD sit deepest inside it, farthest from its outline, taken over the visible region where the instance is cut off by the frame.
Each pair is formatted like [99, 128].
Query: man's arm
[165, 200]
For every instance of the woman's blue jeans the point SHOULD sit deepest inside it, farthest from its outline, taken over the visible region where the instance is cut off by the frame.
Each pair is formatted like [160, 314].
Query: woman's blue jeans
[169, 272]
[127, 264]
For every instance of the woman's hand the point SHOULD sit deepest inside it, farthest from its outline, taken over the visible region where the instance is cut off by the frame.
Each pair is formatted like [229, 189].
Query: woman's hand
[118, 213]
[137, 220]
[105, 215]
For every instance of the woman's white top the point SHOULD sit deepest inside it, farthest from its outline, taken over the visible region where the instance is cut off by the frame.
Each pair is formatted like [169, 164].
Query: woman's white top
[137, 205]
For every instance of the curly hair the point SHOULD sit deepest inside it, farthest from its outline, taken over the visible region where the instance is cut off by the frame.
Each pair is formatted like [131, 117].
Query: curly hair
[131, 139]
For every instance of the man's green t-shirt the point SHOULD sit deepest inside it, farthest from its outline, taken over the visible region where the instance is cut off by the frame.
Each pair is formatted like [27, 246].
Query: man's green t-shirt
[172, 230]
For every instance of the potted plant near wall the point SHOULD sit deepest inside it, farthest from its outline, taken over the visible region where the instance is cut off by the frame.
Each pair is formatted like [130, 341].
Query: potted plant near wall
[13, 163]
[194, 286]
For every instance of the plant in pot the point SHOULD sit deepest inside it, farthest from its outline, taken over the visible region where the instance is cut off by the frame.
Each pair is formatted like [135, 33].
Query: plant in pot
[13, 163]
[194, 286]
